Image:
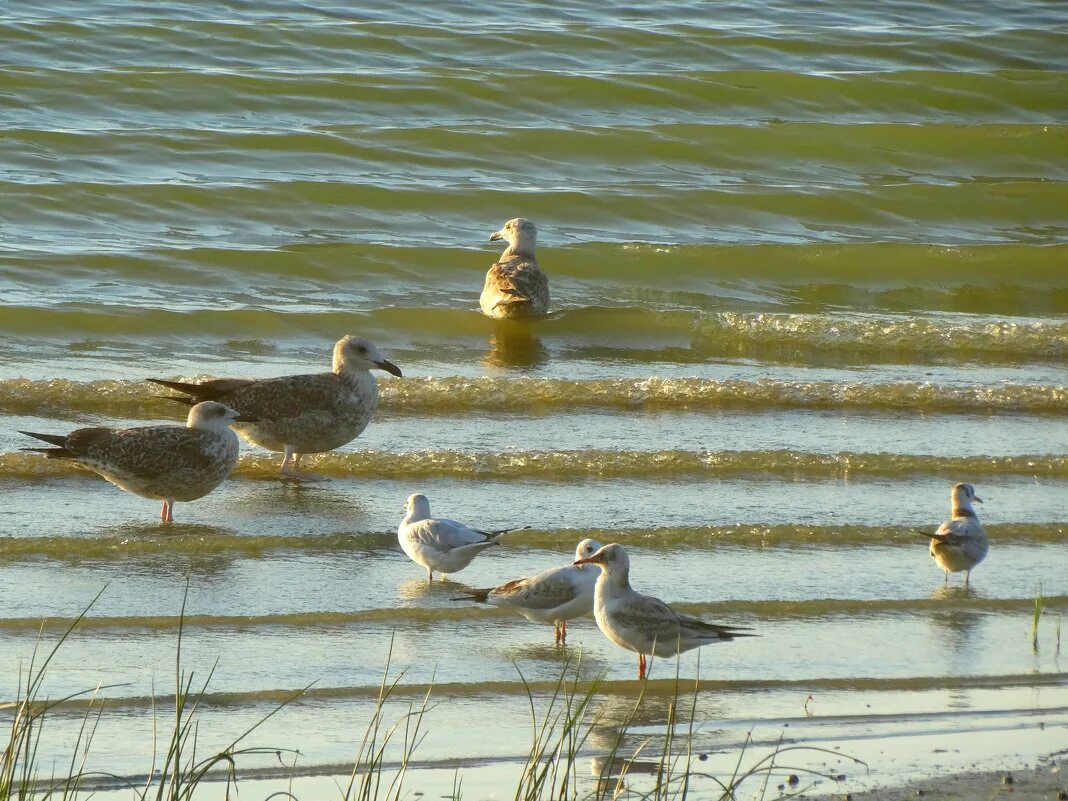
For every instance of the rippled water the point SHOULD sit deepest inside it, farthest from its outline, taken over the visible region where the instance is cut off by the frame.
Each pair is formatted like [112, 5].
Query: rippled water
[809, 269]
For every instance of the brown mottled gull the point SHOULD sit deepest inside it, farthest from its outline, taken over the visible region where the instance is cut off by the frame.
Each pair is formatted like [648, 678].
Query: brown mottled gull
[515, 286]
[961, 542]
[553, 596]
[641, 623]
[167, 463]
[301, 414]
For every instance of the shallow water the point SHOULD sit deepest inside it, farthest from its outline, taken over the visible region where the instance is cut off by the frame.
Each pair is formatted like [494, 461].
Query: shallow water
[808, 270]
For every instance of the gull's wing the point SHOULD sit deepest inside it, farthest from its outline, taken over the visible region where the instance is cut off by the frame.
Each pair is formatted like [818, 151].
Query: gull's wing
[517, 278]
[287, 396]
[443, 535]
[291, 396]
[958, 531]
[651, 617]
[147, 452]
[547, 590]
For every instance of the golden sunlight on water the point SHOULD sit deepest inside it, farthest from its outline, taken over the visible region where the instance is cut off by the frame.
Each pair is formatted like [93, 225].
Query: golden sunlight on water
[808, 271]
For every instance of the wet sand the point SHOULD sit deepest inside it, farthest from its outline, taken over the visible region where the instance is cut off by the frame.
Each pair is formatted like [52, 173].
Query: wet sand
[1047, 781]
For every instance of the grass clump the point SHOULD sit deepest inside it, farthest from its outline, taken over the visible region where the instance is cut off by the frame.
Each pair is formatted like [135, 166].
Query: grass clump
[657, 767]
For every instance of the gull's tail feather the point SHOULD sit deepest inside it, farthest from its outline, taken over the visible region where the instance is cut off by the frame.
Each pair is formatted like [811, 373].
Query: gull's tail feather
[216, 389]
[481, 596]
[721, 631]
[193, 390]
[59, 452]
[498, 532]
[942, 538]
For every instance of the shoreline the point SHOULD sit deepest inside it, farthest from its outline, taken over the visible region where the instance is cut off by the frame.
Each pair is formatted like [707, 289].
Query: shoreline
[1048, 780]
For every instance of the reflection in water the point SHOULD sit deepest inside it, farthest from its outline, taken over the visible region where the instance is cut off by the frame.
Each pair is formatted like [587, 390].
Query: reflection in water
[419, 589]
[514, 344]
[960, 624]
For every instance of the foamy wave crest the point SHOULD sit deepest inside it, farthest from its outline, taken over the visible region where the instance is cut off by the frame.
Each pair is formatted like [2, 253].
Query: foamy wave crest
[453, 395]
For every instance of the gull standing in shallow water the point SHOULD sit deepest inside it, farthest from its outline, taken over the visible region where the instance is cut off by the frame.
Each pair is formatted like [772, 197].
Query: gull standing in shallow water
[643, 624]
[960, 543]
[440, 544]
[300, 414]
[554, 596]
[165, 463]
[515, 286]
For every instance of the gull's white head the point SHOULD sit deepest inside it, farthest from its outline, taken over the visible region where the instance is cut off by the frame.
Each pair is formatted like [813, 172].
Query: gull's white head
[612, 559]
[586, 549]
[417, 507]
[964, 496]
[214, 416]
[354, 354]
[520, 234]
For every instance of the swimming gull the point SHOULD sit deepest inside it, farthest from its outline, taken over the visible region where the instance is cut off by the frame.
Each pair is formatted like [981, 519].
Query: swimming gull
[960, 542]
[554, 596]
[440, 544]
[301, 414]
[641, 623]
[515, 286]
[167, 463]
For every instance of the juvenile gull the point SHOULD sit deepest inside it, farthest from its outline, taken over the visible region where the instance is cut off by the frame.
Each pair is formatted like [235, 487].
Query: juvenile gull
[515, 286]
[300, 414]
[640, 623]
[440, 544]
[554, 596]
[167, 463]
[960, 542]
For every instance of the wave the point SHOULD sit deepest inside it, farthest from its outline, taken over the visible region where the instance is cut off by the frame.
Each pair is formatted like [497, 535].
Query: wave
[655, 209]
[573, 464]
[813, 609]
[460, 395]
[140, 541]
[583, 41]
[530, 97]
[874, 337]
[665, 688]
[954, 271]
[821, 154]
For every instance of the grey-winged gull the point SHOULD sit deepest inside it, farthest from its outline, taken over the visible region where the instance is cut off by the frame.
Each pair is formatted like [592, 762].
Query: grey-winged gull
[165, 463]
[553, 596]
[301, 414]
[641, 623]
[960, 542]
[515, 286]
[441, 544]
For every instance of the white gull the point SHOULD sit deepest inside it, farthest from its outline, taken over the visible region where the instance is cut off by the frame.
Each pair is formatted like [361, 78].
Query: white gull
[165, 463]
[301, 414]
[641, 623]
[441, 544]
[553, 596]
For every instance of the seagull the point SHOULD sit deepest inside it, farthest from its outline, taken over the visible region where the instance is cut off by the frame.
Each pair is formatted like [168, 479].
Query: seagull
[515, 286]
[641, 623]
[440, 544]
[167, 463]
[554, 596]
[960, 543]
[299, 414]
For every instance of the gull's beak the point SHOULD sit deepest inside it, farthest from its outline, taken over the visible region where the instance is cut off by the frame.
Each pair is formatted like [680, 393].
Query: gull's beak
[246, 418]
[389, 367]
[590, 560]
[977, 499]
[495, 236]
